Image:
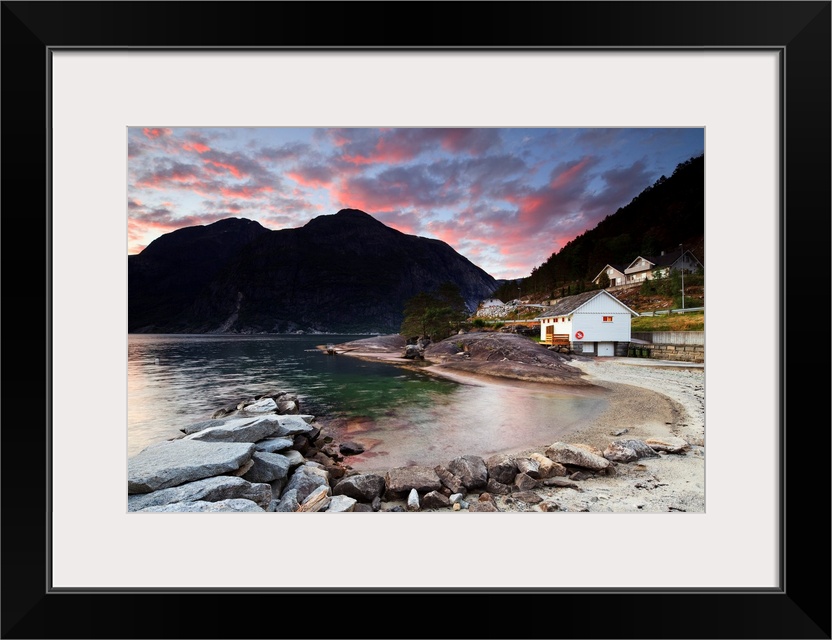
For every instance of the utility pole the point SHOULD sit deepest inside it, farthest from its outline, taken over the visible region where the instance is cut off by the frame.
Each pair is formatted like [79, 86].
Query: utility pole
[682, 255]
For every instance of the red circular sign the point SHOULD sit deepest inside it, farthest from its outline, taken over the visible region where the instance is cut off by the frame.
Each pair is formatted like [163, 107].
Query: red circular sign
[579, 335]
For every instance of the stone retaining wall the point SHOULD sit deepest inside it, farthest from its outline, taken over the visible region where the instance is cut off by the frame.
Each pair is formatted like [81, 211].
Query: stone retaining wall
[682, 353]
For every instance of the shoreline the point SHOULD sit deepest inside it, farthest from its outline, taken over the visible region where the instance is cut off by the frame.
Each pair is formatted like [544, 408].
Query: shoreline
[649, 401]
[640, 449]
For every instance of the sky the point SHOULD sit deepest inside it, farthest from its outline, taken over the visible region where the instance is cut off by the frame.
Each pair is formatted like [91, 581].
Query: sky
[505, 198]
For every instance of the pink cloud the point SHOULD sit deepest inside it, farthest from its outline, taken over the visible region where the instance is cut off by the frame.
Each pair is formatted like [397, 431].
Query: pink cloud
[313, 176]
[571, 173]
[472, 141]
[174, 174]
[397, 146]
[245, 192]
[155, 132]
[196, 146]
[213, 165]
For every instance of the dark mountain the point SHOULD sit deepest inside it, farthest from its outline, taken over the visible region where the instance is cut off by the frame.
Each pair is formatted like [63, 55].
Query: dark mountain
[669, 212]
[164, 280]
[345, 272]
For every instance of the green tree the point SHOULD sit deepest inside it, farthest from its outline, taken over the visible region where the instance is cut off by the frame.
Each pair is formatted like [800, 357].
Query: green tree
[675, 287]
[604, 281]
[416, 309]
[435, 315]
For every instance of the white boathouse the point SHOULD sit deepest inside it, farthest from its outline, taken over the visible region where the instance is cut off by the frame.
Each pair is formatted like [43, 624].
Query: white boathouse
[593, 323]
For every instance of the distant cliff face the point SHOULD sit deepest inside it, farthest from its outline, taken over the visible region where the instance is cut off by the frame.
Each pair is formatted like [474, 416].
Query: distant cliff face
[345, 272]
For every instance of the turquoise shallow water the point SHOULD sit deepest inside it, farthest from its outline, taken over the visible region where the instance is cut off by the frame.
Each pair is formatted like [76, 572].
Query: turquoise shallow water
[401, 416]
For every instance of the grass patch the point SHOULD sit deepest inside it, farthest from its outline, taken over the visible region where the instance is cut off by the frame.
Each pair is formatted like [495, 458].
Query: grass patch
[693, 321]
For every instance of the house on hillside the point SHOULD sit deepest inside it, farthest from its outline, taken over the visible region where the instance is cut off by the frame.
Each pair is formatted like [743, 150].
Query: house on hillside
[491, 302]
[594, 323]
[646, 268]
[614, 272]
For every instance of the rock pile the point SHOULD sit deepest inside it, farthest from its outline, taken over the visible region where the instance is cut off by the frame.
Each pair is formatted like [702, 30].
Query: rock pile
[264, 456]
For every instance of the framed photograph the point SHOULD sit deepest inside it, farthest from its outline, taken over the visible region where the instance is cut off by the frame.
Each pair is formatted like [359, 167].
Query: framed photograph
[80, 77]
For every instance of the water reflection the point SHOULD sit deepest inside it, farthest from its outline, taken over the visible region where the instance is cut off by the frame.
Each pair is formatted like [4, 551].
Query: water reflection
[401, 416]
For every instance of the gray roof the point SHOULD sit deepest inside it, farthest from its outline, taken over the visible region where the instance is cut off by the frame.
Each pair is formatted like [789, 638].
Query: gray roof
[565, 306]
[668, 258]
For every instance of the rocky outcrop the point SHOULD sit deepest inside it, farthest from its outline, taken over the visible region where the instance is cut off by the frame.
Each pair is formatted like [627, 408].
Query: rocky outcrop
[234, 504]
[213, 489]
[175, 462]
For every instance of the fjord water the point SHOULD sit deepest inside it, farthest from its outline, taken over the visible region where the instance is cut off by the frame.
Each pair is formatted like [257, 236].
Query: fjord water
[401, 416]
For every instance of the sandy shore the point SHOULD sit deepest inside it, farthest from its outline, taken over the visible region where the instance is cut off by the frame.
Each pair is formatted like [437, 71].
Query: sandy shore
[648, 400]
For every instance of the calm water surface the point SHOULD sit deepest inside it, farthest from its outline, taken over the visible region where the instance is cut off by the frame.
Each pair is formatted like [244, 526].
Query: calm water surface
[400, 416]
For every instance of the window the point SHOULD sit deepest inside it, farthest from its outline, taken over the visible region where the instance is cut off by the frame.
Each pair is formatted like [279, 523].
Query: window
[607, 318]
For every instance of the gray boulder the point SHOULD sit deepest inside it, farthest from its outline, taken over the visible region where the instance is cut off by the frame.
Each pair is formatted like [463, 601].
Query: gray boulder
[199, 506]
[640, 447]
[267, 467]
[413, 352]
[171, 463]
[204, 424]
[273, 445]
[238, 430]
[206, 490]
[458, 499]
[264, 405]
[401, 480]
[306, 479]
[618, 452]
[669, 444]
[502, 468]
[288, 406]
[362, 487]
[471, 470]
[288, 502]
[341, 504]
[350, 448]
[294, 425]
[435, 500]
[293, 457]
[567, 454]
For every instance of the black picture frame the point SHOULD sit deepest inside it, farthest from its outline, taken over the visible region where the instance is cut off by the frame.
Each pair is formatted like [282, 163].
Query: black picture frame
[799, 31]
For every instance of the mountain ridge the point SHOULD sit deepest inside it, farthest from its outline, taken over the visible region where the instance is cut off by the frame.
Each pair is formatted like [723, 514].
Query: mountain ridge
[338, 273]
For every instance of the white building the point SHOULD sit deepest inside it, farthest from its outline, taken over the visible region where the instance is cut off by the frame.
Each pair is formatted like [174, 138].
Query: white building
[646, 268]
[591, 323]
[491, 302]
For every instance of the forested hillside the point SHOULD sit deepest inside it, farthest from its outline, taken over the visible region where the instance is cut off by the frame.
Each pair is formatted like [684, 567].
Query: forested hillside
[668, 213]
